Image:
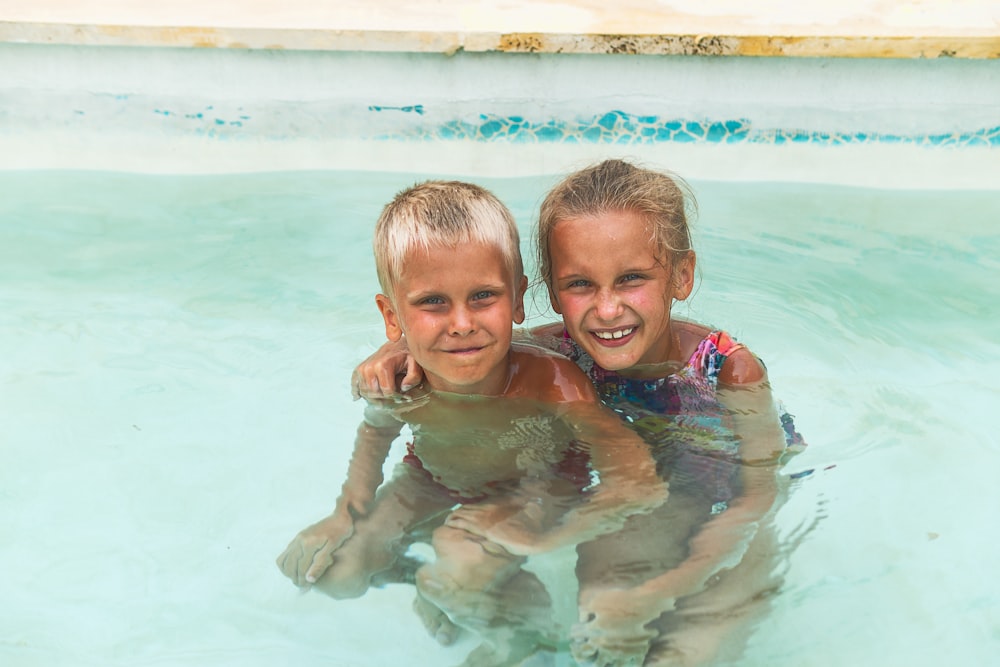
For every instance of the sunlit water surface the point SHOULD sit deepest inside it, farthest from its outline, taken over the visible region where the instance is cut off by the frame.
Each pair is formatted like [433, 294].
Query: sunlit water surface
[175, 406]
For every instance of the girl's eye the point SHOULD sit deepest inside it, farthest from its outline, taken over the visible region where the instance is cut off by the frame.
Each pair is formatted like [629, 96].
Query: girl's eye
[485, 294]
[629, 277]
[578, 283]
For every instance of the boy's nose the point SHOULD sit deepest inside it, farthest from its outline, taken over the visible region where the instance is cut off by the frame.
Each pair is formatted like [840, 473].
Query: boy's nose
[461, 322]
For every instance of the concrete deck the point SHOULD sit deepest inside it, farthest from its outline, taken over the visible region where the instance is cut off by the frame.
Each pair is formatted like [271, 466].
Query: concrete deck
[798, 28]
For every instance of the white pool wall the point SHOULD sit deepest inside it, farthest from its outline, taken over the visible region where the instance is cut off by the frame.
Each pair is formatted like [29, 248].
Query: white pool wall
[151, 109]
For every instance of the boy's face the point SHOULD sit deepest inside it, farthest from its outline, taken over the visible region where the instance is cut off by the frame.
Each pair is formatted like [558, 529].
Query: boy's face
[456, 307]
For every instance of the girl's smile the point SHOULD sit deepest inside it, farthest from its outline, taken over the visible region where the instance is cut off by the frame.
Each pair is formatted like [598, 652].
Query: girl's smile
[617, 337]
[612, 289]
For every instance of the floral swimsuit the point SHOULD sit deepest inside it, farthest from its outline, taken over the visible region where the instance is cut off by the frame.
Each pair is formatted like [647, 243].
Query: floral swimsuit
[680, 415]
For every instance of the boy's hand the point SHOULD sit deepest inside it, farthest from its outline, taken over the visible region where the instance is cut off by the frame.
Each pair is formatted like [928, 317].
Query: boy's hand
[309, 555]
[376, 376]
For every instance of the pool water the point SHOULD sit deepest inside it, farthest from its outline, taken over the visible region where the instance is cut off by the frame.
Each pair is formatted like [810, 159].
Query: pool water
[176, 406]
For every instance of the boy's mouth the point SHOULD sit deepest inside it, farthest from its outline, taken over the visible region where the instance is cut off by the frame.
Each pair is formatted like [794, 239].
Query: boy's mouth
[614, 337]
[464, 350]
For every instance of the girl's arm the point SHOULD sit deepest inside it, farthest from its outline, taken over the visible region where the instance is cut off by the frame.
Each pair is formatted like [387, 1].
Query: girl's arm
[723, 540]
[311, 552]
[390, 370]
[553, 329]
[387, 372]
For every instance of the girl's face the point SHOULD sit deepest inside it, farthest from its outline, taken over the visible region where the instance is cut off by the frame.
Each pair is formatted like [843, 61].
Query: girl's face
[612, 289]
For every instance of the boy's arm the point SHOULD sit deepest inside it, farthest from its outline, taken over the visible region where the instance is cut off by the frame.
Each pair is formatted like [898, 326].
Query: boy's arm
[311, 552]
[626, 472]
[628, 483]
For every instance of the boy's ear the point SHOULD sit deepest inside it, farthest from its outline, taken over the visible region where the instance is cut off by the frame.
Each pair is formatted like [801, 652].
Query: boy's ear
[519, 300]
[684, 276]
[393, 328]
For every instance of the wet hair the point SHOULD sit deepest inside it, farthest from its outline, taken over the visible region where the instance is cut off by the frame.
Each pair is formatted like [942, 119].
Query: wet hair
[662, 199]
[445, 214]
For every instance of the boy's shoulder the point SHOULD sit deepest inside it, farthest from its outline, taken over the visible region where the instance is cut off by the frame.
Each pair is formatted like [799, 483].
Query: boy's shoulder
[530, 349]
[542, 374]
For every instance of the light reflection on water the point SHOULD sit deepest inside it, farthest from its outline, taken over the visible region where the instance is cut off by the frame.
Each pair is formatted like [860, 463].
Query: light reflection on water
[174, 383]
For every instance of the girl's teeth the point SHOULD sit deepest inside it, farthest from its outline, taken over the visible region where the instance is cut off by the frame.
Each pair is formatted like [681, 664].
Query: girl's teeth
[607, 335]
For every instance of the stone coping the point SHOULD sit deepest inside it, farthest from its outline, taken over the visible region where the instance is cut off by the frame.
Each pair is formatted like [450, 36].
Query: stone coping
[791, 28]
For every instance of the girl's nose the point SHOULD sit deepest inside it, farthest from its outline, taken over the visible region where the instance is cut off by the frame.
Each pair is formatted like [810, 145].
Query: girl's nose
[608, 306]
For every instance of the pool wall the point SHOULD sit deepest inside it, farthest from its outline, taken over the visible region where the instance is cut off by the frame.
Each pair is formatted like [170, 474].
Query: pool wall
[115, 88]
[159, 109]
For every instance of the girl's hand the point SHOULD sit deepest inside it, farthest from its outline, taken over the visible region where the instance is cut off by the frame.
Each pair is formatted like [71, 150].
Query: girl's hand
[520, 530]
[309, 555]
[376, 376]
[612, 628]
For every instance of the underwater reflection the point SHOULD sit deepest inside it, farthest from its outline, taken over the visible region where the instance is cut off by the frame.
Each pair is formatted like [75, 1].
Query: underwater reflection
[522, 503]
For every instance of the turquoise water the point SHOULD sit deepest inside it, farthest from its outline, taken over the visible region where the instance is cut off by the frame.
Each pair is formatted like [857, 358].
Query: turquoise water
[175, 404]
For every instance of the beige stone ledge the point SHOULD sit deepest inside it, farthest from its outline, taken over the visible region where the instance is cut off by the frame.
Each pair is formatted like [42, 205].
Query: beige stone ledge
[849, 28]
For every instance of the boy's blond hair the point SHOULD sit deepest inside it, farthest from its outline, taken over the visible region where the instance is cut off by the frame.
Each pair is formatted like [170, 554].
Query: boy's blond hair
[443, 214]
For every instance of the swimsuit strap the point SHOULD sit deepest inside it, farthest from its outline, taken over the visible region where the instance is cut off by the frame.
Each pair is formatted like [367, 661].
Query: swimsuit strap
[712, 352]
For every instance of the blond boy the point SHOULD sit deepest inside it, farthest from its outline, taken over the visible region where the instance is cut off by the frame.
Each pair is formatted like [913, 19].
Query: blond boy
[497, 431]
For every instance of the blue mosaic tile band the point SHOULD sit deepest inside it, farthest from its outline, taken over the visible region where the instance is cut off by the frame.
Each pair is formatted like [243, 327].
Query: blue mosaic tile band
[619, 127]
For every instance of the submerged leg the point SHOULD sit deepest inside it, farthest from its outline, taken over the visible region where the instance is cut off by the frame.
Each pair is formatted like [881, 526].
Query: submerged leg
[717, 622]
[436, 621]
[481, 587]
[617, 616]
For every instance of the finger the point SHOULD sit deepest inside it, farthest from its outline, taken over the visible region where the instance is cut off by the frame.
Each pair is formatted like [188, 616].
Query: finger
[385, 381]
[321, 561]
[456, 522]
[313, 574]
[368, 387]
[355, 385]
[301, 563]
[414, 375]
[288, 563]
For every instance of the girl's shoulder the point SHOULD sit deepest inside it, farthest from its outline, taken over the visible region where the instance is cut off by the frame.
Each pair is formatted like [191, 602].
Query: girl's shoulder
[742, 368]
[690, 336]
[734, 364]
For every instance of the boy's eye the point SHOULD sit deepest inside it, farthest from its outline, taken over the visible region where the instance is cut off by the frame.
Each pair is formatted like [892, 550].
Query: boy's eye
[431, 301]
[485, 294]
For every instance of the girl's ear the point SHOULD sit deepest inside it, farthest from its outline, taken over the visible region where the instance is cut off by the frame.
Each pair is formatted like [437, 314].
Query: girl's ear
[393, 328]
[684, 275]
[553, 300]
[519, 300]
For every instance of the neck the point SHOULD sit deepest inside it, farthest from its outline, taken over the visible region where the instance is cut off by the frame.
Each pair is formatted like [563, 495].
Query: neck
[496, 383]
